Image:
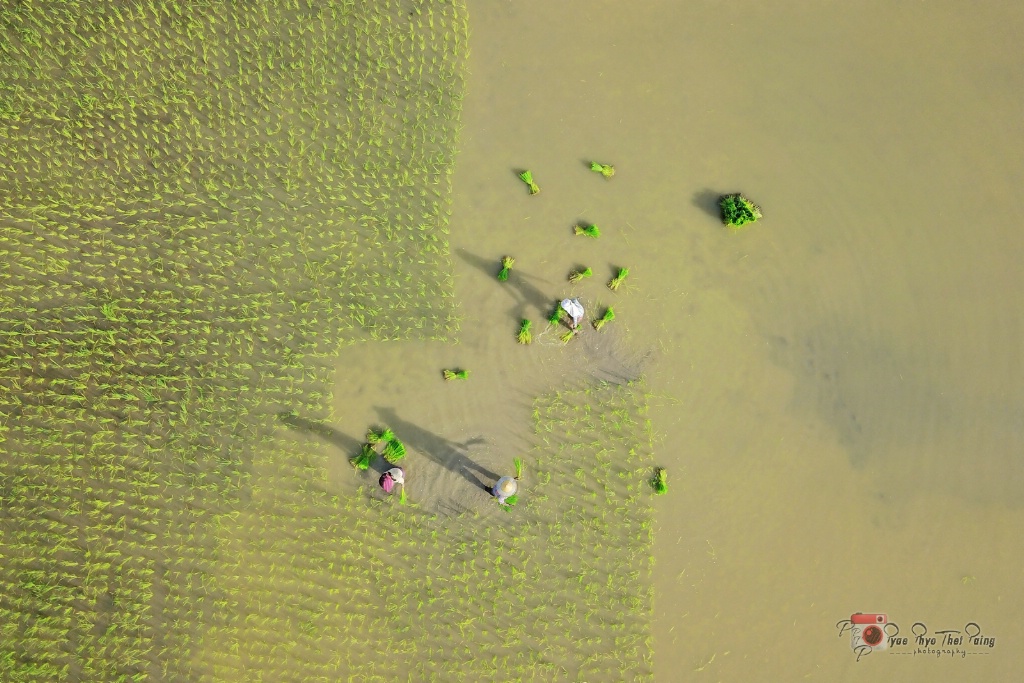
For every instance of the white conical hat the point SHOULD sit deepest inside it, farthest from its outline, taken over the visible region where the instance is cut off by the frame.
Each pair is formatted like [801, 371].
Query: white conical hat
[508, 485]
[573, 307]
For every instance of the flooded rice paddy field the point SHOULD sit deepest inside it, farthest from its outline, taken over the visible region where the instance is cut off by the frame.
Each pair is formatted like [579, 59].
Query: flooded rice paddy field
[227, 254]
[836, 389]
[201, 210]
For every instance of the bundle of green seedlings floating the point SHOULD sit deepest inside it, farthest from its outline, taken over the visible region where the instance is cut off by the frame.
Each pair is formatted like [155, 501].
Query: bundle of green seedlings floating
[402, 499]
[376, 436]
[609, 315]
[577, 275]
[527, 178]
[737, 210]
[614, 283]
[557, 315]
[607, 170]
[456, 374]
[365, 457]
[567, 337]
[524, 336]
[394, 451]
[509, 502]
[518, 463]
[660, 481]
[588, 230]
[506, 265]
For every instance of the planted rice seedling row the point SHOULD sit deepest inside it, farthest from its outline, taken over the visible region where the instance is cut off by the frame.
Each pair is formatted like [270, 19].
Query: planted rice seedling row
[188, 329]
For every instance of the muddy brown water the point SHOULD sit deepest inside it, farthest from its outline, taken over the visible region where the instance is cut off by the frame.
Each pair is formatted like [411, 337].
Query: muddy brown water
[837, 390]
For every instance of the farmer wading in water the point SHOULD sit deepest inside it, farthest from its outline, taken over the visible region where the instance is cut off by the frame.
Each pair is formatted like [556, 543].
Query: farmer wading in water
[393, 476]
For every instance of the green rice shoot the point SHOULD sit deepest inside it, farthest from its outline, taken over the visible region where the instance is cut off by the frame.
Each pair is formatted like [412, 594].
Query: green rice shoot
[524, 335]
[578, 275]
[506, 266]
[588, 230]
[455, 374]
[606, 170]
[376, 436]
[527, 178]
[619, 278]
[557, 315]
[364, 458]
[394, 451]
[607, 317]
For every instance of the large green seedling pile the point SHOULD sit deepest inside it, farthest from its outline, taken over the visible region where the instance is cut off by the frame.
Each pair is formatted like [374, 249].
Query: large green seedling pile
[198, 203]
[366, 589]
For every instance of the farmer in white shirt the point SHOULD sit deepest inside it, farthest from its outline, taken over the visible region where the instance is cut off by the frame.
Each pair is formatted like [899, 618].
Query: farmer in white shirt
[575, 310]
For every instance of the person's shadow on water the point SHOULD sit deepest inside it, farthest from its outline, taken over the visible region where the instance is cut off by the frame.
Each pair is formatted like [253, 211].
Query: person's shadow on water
[526, 295]
[349, 446]
[448, 454]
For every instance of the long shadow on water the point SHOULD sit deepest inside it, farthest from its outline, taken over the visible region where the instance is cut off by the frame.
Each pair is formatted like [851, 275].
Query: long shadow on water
[345, 443]
[448, 454]
[524, 292]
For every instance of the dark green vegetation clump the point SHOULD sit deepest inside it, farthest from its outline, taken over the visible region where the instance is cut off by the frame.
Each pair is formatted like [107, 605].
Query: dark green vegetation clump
[588, 230]
[198, 208]
[455, 374]
[660, 481]
[364, 458]
[394, 451]
[737, 210]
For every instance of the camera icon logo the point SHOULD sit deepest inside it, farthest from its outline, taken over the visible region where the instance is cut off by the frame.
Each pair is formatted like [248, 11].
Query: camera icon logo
[867, 632]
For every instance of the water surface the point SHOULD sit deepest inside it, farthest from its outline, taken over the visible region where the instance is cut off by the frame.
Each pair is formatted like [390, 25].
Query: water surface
[837, 389]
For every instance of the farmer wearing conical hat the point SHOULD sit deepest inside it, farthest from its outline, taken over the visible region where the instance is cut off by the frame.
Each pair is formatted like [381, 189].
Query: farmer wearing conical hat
[393, 476]
[505, 488]
[575, 310]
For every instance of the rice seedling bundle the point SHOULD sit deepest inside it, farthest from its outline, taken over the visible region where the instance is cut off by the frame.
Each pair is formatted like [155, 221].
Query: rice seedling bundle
[588, 230]
[394, 451]
[660, 481]
[527, 178]
[737, 210]
[455, 374]
[619, 278]
[557, 314]
[524, 336]
[606, 317]
[364, 458]
[578, 275]
[506, 266]
[604, 169]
